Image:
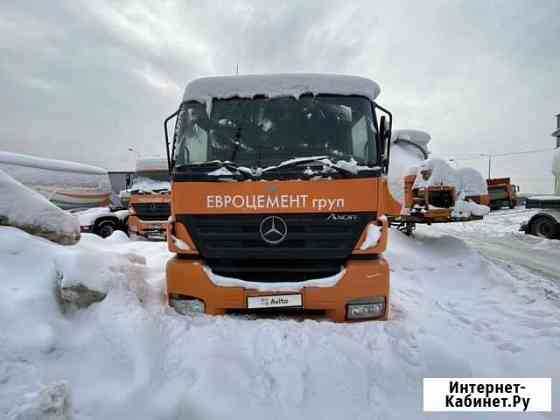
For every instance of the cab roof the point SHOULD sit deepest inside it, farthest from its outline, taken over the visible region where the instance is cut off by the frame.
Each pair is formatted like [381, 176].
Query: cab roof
[275, 85]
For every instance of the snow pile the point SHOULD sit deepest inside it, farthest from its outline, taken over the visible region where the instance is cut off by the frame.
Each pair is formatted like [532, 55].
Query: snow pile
[408, 149]
[28, 210]
[275, 85]
[472, 182]
[436, 172]
[455, 313]
[556, 162]
[465, 209]
[52, 402]
[373, 234]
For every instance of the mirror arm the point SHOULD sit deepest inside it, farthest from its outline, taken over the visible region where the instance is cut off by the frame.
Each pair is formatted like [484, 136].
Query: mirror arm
[169, 154]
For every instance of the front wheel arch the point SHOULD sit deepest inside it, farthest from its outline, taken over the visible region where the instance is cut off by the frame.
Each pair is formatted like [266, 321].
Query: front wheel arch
[544, 226]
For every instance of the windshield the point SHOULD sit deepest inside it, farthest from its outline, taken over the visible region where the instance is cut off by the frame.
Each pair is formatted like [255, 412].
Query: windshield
[149, 181]
[260, 132]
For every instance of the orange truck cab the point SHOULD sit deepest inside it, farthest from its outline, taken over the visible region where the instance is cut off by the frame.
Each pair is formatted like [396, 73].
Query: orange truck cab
[279, 196]
[148, 200]
[502, 193]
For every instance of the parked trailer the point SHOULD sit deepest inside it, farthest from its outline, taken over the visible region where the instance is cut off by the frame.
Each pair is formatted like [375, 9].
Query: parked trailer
[502, 193]
[439, 194]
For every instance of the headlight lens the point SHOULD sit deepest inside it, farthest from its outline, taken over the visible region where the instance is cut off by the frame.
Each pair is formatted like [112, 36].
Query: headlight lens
[366, 308]
[186, 306]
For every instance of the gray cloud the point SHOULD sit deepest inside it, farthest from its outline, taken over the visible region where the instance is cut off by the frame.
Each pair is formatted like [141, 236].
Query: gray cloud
[86, 80]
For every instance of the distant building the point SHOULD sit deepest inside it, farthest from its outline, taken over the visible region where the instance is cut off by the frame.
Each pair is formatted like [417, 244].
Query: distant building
[557, 132]
[557, 135]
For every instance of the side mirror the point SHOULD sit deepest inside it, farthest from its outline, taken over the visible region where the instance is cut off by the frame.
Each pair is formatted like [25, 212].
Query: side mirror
[384, 140]
[170, 153]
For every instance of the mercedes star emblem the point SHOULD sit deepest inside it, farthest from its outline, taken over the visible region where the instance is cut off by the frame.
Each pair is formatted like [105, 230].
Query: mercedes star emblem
[273, 230]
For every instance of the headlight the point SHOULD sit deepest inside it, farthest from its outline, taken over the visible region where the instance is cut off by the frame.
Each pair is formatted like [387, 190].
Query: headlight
[366, 308]
[185, 306]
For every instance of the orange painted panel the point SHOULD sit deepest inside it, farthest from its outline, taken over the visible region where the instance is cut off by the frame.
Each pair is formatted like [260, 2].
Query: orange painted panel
[261, 197]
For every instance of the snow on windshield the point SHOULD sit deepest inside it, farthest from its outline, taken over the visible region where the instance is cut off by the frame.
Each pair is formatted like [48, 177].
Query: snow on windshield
[148, 185]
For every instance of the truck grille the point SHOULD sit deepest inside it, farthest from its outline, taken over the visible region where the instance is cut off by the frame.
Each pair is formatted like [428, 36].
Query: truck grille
[152, 211]
[308, 236]
[315, 245]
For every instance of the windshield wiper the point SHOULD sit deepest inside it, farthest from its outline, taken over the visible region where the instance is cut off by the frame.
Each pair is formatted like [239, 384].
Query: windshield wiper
[323, 160]
[205, 168]
[236, 144]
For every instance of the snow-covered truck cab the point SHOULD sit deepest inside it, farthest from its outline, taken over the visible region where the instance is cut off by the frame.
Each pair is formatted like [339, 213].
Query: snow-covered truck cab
[149, 197]
[502, 193]
[279, 197]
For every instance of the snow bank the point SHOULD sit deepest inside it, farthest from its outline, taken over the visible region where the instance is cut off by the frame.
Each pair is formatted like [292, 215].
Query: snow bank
[465, 209]
[90, 353]
[274, 85]
[454, 314]
[26, 209]
[52, 402]
[279, 286]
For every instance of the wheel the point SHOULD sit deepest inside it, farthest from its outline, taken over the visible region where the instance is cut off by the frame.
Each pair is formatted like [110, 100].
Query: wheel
[106, 228]
[544, 228]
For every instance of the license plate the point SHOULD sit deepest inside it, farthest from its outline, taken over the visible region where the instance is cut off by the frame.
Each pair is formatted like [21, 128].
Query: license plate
[275, 301]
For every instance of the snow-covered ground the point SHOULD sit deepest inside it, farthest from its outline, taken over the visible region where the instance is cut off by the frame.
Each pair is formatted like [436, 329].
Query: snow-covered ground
[461, 306]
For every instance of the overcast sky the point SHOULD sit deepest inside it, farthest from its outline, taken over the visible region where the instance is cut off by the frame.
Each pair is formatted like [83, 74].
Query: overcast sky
[85, 81]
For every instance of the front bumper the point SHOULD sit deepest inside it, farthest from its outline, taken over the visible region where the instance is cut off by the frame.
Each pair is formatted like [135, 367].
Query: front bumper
[152, 230]
[363, 279]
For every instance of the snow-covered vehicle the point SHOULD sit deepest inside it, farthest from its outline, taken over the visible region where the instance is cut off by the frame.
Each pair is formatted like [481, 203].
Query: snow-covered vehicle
[102, 221]
[279, 197]
[148, 200]
[502, 193]
[69, 185]
[546, 223]
[429, 189]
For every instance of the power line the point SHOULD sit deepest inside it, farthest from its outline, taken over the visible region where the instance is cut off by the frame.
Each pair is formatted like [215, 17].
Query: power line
[475, 156]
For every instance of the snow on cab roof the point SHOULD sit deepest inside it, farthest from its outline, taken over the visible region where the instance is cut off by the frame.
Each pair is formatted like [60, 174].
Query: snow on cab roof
[274, 85]
[151, 164]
